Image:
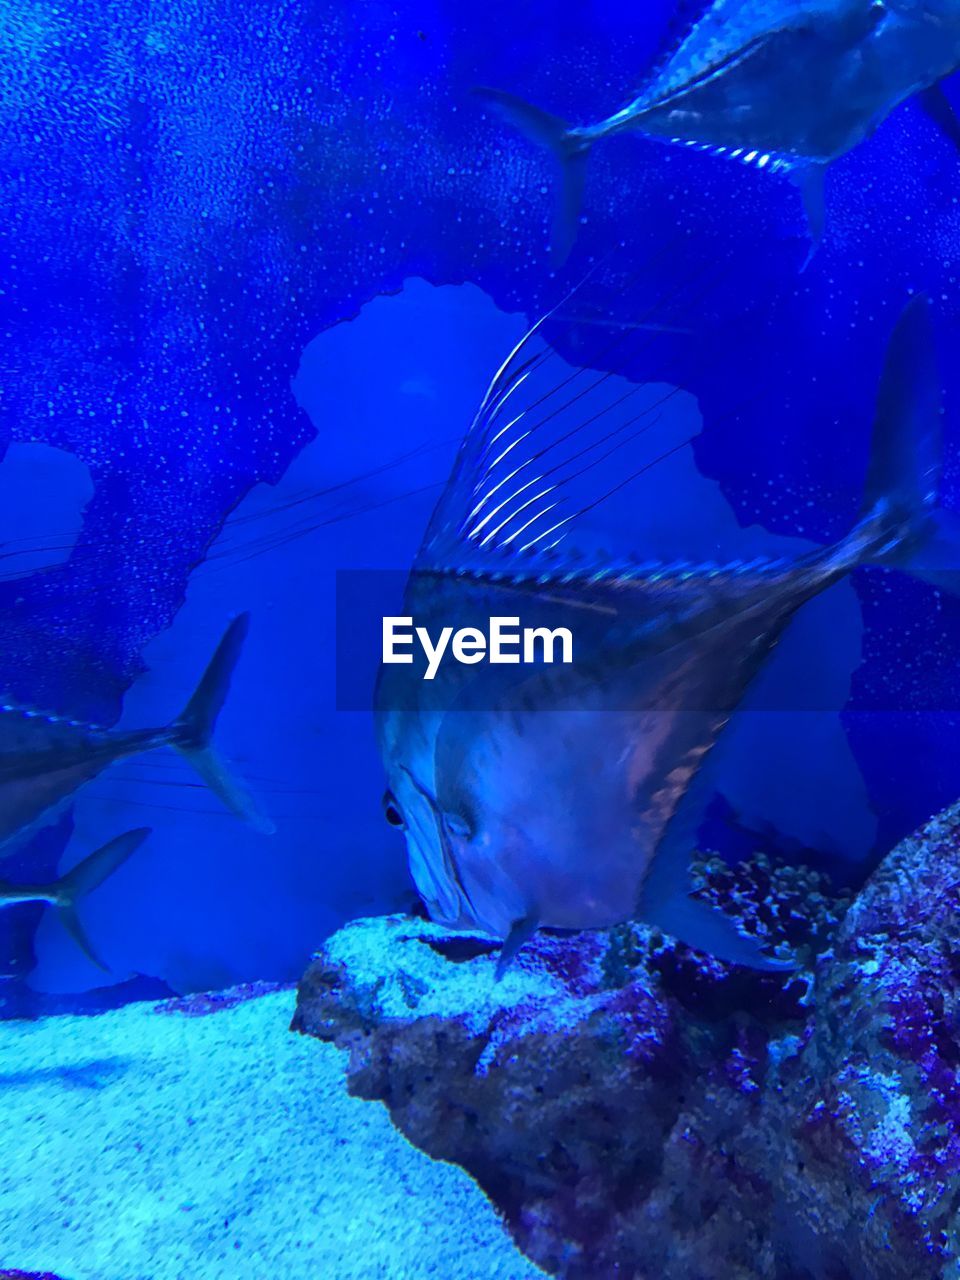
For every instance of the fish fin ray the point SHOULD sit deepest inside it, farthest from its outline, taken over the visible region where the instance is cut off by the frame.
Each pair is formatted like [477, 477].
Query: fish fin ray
[536, 459]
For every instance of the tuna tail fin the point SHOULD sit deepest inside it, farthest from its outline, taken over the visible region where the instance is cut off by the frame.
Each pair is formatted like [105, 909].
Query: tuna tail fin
[570, 148]
[87, 876]
[192, 732]
[903, 476]
[906, 528]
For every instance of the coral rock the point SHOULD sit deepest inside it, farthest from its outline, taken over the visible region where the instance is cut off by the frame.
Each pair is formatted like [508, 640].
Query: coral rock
[638, 1110]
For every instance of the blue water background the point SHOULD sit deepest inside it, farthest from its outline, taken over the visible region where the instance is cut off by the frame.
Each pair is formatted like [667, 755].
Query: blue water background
[187, 269]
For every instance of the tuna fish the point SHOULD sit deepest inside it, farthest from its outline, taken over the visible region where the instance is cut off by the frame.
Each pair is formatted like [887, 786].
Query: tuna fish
[44, 758]
[783, 85]
[65, 893]
[570, 795]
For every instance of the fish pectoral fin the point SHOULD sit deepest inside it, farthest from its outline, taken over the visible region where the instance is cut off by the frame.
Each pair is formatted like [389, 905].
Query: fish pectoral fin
[811, 180]
[938, 107]
[520, 934]
[707, 929]
[665, 897]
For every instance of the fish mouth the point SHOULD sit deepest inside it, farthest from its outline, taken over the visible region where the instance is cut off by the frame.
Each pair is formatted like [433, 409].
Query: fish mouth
[464, 919]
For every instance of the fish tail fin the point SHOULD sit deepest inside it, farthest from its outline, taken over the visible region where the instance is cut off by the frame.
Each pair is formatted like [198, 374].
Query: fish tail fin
[87, 876]
[902, 525]
[569, 146]
[192, 733]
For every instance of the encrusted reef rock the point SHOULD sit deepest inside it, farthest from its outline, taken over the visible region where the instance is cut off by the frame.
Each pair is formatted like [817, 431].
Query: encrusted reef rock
[638, 1110]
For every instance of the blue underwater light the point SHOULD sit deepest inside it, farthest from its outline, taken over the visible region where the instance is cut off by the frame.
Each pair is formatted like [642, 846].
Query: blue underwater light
[339, 334]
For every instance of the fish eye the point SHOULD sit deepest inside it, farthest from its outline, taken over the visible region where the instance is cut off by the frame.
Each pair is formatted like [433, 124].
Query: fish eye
[391, 811]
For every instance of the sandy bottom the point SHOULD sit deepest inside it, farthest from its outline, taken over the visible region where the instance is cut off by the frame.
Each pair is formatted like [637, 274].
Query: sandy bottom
[139, 1145]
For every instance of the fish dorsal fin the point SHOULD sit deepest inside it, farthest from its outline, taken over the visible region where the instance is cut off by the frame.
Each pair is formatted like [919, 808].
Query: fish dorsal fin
[549, 444]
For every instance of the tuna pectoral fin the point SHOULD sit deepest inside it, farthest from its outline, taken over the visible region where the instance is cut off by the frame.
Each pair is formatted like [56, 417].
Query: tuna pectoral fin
[570, 149]
[942, 112]
[812, 183]
[520, 934]
[87, 876]
[191, 734]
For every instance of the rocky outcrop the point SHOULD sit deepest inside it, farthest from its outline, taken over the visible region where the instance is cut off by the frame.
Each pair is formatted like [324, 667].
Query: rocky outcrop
[638, 1110]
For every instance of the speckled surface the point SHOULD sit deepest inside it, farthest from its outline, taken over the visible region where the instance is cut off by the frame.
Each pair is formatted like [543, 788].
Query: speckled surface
[139, 1146]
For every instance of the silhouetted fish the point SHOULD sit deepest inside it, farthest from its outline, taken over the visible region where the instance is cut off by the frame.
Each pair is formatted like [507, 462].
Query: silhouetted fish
[566, 795]
[65, 893]
[44, 758]
[787, 85]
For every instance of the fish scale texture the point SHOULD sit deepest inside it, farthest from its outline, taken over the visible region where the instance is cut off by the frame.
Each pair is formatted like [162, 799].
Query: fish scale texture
[636, 1110]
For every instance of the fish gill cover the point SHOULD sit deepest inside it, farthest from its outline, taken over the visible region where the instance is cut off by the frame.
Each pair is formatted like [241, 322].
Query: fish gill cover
[191, 195]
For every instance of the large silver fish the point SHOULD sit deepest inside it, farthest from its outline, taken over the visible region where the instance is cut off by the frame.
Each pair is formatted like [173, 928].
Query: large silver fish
[44, 758]
[787, 85]
[568, 796]
[64, 894]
